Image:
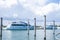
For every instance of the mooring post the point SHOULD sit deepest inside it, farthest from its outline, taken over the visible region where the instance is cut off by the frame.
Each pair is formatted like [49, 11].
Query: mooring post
[34, 28]
[28, 27]
[44, 27]
[1, 24]
[54, 29]
[1, 27]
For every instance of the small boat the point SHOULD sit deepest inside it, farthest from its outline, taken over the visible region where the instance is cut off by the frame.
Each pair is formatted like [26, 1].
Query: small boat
[58, 27]
[51, 27]
[19, 26]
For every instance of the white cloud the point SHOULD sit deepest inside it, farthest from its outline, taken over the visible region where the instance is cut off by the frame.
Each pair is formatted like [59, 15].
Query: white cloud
[32, 2]
[7, 3]
[33, 5]
[15, 15]
[38, 6]
[47, 9]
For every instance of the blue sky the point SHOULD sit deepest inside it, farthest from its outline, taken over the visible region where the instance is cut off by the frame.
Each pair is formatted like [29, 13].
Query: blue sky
[24, 9]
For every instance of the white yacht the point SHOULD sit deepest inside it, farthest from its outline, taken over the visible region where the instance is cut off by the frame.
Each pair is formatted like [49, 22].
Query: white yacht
[19, 25]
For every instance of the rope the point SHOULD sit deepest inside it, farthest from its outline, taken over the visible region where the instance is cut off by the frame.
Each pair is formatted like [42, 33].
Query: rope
[58, 37]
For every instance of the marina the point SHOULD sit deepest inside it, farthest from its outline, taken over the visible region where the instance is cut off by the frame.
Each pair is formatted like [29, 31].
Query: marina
[29, 19]
[25, 31]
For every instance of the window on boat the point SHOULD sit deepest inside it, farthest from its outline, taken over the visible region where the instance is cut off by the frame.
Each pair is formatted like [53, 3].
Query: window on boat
[19, 24]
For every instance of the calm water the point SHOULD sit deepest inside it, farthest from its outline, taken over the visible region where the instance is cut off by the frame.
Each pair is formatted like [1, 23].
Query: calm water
[22, 35]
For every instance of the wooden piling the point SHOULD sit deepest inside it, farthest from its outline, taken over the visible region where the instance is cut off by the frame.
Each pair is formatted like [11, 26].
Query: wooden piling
[1, 27]
[54, 29]
[28, 27]
[44, 27]
[34, 28]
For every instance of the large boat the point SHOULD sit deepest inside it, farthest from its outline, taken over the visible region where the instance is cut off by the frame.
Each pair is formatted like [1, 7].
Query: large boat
[19, 26]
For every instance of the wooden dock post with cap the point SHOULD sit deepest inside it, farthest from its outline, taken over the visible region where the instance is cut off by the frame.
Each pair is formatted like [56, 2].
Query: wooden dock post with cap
[28, 27]
[34, 28]
[54, 29]
[44, 27]
[1, 25]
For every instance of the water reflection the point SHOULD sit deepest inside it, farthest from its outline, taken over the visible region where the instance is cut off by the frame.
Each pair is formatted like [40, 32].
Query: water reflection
[6, 34]
[28, 38]
[34, 37]
[22, 35]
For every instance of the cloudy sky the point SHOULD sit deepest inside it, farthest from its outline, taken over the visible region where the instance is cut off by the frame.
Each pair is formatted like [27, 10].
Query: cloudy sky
[23, 9]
